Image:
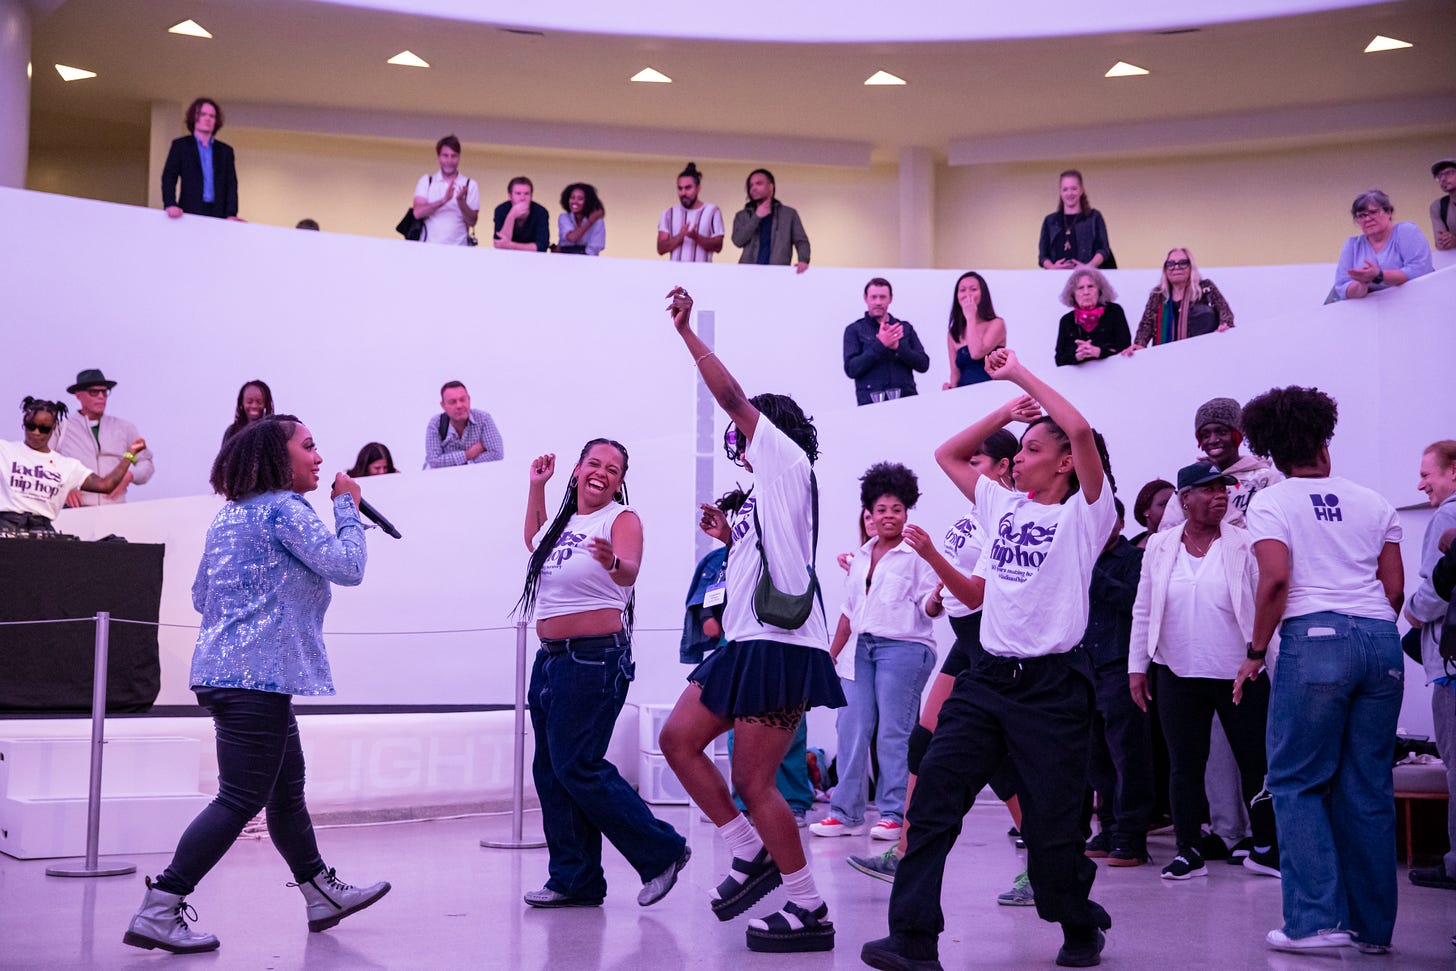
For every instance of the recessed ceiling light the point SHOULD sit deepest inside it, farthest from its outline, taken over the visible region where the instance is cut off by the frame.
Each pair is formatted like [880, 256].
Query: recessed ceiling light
[884, 77]
[1383, 43]
[651, 76]
[189, 28]
[73, 73]
[1122, 69]
[409, 59]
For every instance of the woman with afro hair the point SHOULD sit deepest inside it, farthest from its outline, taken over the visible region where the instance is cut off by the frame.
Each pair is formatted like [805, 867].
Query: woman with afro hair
[891, 658]
[1330, 580]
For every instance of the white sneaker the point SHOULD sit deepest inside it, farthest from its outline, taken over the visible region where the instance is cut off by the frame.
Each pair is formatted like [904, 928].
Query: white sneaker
[1280, 941]
[833, 826]
[887, 829]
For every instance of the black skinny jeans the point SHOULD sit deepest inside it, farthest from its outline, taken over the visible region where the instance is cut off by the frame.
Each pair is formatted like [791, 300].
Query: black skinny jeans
[1186, 707]
[259, 765]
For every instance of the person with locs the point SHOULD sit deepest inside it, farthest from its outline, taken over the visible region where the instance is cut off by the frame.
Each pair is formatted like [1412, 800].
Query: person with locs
[776, 663]
[37, 479]
[262, 588]
[1030, 695]
[579, 590]
[1218, 429]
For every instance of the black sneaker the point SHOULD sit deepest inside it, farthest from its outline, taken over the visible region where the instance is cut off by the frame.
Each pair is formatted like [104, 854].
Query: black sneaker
[1266, 862]
[1128, 854]
[1240, 851]
[1432, 876]
[1082, 952]
[1099, 846]
[1186, 865]
[1212, 847]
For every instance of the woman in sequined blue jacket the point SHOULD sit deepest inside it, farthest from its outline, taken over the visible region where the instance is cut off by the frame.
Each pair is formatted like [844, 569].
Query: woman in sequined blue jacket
[262, 589]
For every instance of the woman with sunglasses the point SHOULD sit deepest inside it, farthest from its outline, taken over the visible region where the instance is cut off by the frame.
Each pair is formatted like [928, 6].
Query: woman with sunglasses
[34, 489]
[763, 681]
[579, 582]
[1183, 304]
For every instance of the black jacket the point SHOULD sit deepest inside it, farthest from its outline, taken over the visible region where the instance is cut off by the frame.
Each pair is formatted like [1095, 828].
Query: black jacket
[1080, 237]
[1111, 334]
[874, 366]
[184, 162]
[1110, 598]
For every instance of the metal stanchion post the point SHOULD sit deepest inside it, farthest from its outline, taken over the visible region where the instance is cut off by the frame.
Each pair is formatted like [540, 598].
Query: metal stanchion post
[93, 797]
[518, 763]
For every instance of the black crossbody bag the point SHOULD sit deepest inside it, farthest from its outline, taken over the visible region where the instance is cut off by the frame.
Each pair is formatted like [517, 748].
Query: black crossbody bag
[770, 604]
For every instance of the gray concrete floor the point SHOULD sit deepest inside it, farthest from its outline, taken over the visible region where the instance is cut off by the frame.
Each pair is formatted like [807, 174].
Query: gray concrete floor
[456, 905]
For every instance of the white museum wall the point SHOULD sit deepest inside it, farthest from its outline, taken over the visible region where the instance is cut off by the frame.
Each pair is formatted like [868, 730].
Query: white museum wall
[357, 334]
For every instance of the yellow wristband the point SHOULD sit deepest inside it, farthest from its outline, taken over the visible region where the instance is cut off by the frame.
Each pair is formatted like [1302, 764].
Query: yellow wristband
[129, 457]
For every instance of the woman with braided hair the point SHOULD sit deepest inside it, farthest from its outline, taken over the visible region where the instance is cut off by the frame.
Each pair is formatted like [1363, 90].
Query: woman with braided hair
[772, 670]
[33, 491]
[578, 589]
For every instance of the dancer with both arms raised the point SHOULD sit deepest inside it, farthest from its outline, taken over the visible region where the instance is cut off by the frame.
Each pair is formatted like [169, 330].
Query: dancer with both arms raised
[1030, 695]
[766, 677]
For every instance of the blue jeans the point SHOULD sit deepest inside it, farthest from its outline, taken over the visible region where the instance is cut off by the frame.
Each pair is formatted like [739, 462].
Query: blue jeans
[575, 698]
[1336, 695]
[888, 678]
[259, 765]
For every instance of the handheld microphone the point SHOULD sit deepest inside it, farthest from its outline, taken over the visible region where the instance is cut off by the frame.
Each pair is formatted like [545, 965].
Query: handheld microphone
[374, 516]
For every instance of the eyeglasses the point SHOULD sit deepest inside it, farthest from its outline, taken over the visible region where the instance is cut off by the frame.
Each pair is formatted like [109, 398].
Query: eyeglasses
[1177, 264]
[31, 426]
[98, 392]
[733, 443]
[1368, 213]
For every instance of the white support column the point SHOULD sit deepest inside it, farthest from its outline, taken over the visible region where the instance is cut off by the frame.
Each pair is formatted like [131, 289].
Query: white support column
[917, 207]
[14, 92]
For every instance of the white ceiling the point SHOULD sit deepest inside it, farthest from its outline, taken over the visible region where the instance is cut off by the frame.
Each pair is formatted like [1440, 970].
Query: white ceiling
[326, 55]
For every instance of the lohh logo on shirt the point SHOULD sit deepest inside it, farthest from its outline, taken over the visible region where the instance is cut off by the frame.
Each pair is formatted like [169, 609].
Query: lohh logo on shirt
[1326, 508]
[568, 544]
[1015, 546]
[35, 479]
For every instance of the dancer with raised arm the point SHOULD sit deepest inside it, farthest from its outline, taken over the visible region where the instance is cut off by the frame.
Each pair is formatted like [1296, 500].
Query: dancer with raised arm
[1030, 694]
[262, 589]
[579, 581]
[776, 665]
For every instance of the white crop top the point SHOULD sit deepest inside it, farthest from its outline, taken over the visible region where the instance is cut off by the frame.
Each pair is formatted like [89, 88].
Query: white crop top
[571, 581]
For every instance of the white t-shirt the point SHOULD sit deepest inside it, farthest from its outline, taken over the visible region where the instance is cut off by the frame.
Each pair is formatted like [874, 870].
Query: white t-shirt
[781, 496]
[707, 220]
[37, 482]
[1334, 530]
[446, 225]
[572, 581]
[1037, 562]
[1199, 636]
[892, 607]
[962, 548]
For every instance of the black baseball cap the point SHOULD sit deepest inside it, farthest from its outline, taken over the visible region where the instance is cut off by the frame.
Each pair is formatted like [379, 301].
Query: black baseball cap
[1202, 473]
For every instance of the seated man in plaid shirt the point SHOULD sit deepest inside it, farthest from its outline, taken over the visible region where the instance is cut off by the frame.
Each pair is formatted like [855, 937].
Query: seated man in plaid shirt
[461, 434]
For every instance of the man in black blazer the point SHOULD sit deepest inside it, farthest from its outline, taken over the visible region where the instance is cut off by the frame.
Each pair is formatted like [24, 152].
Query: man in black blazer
[210, 193]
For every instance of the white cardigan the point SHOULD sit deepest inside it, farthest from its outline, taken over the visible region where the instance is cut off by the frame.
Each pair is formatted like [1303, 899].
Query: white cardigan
[1240, 570]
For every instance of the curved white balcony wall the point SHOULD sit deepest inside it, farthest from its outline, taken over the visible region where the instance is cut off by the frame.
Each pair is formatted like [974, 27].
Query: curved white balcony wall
[356, 335]
[864, 21]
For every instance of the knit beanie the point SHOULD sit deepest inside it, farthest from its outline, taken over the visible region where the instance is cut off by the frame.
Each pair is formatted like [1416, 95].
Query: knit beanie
[1224, 411]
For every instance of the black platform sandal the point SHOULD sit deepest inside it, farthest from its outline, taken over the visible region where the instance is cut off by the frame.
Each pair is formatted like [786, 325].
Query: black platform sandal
[793, 929]
[760, 876]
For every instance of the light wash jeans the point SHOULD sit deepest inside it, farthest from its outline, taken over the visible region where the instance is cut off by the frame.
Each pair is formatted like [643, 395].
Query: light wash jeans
[889, 676]
[1337, 690]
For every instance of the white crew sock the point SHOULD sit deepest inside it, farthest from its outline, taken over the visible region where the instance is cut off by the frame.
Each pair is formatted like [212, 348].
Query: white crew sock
[743, 843]
[800, 889]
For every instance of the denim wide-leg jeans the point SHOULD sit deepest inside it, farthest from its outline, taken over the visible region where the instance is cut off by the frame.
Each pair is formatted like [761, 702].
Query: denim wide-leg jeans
[1337, 689]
